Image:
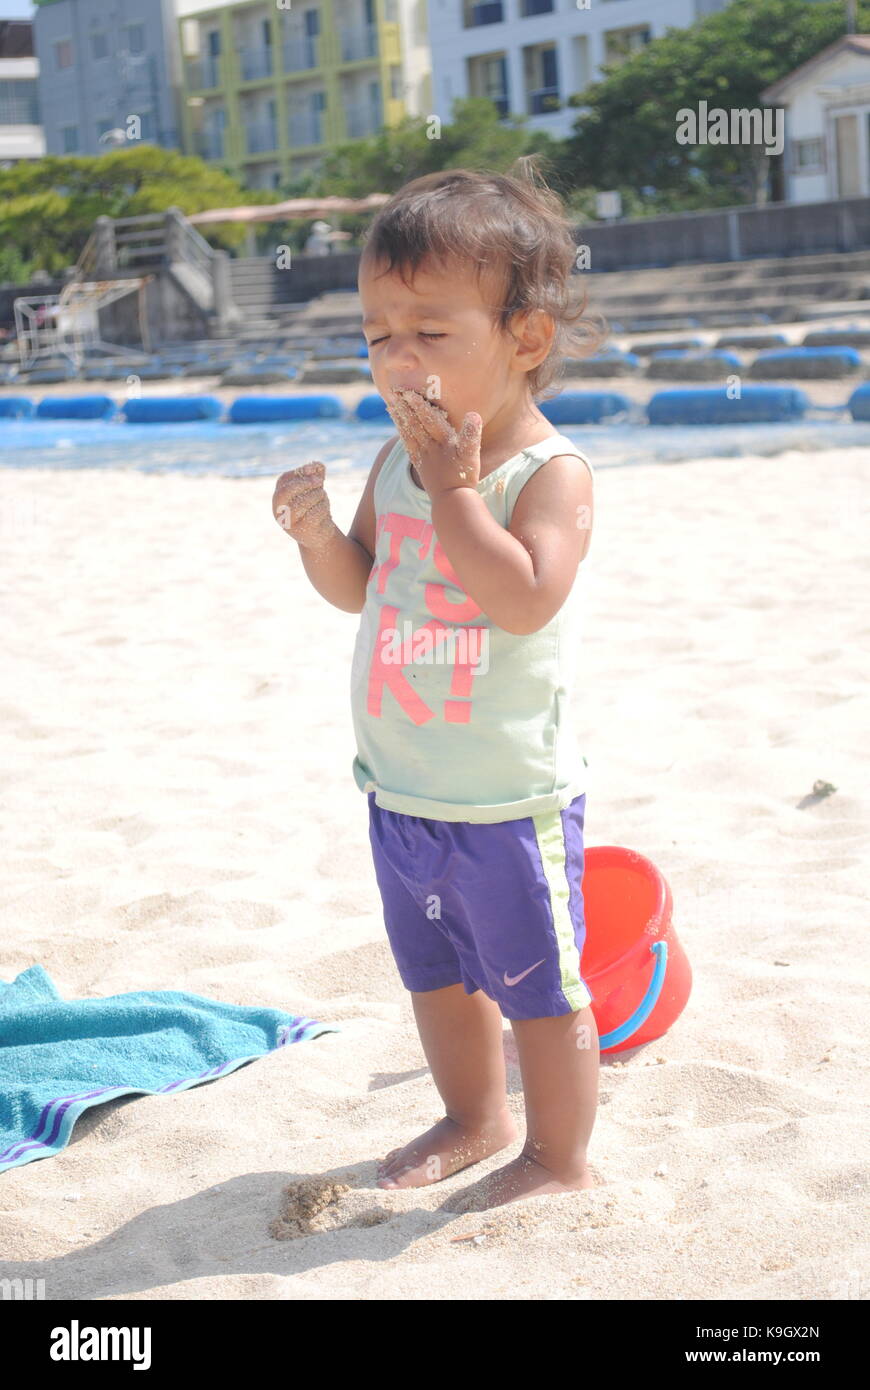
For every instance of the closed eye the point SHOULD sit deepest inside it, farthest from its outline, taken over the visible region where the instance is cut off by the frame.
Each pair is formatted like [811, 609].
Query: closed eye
[422, 335]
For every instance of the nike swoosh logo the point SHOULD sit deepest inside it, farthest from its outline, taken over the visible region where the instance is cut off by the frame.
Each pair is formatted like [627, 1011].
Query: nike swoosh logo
[516, 979]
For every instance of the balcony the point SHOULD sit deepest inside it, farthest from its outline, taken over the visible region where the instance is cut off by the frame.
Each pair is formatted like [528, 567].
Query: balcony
[209, 146]
[301, 54]
[255, 63]
[544, 101]
[305, 128]
[261, 137]
[490, 12]
[203, 73]
[359, 42]
[362, 119]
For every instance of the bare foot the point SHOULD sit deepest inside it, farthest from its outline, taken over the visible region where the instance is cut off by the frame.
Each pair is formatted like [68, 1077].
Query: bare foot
[444, 1149]
[523, 1177]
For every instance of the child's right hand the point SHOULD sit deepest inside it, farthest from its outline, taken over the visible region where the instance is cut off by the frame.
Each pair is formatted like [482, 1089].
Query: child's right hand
[301, 507]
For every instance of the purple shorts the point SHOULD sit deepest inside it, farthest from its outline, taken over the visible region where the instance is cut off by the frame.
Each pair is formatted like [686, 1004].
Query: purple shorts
[497, 907]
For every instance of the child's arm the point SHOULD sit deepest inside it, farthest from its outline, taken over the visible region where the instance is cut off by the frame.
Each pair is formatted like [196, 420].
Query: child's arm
[520, 577]
[337, 565]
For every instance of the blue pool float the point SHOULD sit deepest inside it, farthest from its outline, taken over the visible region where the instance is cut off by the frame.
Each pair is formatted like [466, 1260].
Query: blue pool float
[252, 409]
[584, 407]
[858, 403]
[76, 408]
[15, 407]
[150, 410]
[712, 406]
[786, 361]
[372, 407]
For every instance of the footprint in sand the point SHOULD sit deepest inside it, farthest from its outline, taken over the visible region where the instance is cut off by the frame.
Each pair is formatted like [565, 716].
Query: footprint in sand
[313, 1205]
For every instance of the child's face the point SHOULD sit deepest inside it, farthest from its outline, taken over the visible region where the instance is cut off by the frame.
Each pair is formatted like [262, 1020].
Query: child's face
[471, 365]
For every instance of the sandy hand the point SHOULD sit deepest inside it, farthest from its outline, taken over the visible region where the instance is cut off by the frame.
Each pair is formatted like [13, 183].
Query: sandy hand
[301, 507]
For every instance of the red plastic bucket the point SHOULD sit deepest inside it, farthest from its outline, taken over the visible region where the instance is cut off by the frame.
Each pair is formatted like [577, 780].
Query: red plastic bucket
[636, 969]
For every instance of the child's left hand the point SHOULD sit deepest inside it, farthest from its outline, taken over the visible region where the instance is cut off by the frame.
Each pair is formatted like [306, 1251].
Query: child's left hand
[444, 459]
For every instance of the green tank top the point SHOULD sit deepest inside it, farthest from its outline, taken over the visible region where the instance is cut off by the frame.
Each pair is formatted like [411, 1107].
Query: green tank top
[454, 718]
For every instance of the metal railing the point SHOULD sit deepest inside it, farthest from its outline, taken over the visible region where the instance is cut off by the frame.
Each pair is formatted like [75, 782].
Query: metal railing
[305, 128]
[261, 137]
[543, 101]
[155, 237]
[301, 53]
[166, 240]
[184, 243]
[203, 73]
[209, 146]
[359, 41]
[362, 120]
[255, 63]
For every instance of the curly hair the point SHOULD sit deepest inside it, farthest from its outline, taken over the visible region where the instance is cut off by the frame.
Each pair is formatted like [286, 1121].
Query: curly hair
[513, 223]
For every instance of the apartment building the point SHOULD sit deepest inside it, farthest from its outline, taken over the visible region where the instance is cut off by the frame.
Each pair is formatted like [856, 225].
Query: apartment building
[107, 66]
[529, 56]
[268, 88]
[21, 135]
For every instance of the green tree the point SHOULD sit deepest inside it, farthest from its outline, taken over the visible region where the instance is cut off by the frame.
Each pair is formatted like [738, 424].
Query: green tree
[625, 138]
[48, 206]
[474, 138]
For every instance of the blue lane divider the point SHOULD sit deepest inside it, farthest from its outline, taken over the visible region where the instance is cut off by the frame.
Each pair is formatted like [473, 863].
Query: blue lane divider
[719, 355]
[584, 407]
[76, 408]
[149, 410]
[714, 406]
[248, 409]
[806, 361]
[676, 406]
[837, 337]
[858, 403]
[372, 407]
[15, 407]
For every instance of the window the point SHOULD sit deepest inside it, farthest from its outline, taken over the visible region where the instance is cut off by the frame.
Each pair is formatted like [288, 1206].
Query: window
[99, 44]
[69, 137]
[621, 43]
[63, 53]
[395, 82]
[809, 156]
[18, 103]
[478, 12]
[136, 38]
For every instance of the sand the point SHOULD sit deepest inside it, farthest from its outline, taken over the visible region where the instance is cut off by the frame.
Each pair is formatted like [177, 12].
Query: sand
[178, 812]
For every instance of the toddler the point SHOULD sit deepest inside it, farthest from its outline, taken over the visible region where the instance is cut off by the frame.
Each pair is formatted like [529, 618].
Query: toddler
[461, 560]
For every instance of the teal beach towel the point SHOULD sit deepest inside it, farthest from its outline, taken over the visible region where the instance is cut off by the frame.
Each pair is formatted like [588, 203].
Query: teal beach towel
[60, 1056]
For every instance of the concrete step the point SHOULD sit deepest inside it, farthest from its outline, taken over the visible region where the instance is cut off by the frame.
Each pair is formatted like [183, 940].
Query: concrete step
[738, 295]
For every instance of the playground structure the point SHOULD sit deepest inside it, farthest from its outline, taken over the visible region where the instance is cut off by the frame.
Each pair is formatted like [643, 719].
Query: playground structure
[68, 324]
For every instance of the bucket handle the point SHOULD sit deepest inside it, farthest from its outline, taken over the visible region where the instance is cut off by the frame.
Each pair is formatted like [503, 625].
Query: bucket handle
[646, 1005]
